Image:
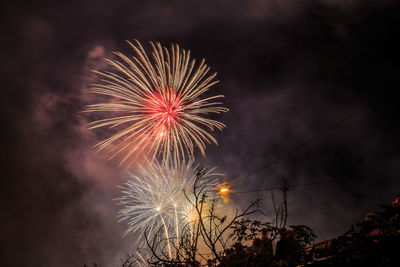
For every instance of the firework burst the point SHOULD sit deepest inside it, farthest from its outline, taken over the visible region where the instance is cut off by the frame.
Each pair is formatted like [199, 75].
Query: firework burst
[154, 198]
[155, 106]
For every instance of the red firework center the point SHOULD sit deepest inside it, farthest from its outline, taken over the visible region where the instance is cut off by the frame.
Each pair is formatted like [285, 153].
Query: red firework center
[165, 108]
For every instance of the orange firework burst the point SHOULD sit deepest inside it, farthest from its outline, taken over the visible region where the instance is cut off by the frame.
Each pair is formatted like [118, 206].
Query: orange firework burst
[155, 105]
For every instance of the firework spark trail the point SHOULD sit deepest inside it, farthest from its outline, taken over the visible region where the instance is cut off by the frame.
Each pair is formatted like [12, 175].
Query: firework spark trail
[155, 198]
[159, 105]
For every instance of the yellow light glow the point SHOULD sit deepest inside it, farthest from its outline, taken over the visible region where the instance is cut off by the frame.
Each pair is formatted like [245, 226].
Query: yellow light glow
[223, 189]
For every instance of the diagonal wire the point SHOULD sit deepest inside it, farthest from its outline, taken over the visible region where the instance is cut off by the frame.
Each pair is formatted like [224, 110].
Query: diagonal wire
[344, 179]
[300, 146]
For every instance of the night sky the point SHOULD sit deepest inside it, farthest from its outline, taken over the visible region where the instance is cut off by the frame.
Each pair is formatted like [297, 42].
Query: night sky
[288, 69]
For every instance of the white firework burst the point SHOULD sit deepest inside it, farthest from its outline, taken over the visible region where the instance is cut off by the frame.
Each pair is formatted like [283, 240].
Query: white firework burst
[155, 198]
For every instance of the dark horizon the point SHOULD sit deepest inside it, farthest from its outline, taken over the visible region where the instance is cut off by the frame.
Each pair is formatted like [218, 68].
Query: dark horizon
[287, 70]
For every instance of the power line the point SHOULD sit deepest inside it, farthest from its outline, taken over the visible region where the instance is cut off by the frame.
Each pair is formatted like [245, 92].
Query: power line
[347, 178]
[298, 147]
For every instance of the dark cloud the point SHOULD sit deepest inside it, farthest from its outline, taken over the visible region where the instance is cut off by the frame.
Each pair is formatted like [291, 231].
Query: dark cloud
[288, 70]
